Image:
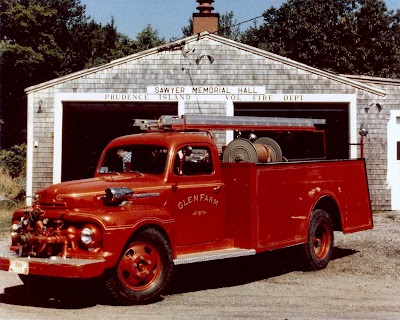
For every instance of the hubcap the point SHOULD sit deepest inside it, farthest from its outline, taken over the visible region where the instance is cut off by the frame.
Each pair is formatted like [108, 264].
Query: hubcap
[140, 267]
[321, 241]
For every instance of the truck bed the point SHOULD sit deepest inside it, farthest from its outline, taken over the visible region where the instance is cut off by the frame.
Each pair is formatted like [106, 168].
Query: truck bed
[269, 205]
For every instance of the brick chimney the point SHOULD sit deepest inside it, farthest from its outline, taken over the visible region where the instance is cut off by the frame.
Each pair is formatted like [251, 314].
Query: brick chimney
[205, 20]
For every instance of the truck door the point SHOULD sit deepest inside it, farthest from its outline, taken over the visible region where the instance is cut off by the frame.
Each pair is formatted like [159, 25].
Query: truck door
[197, 197]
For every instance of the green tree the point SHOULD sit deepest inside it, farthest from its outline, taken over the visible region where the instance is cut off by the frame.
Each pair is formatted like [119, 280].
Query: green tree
[22, 56]
[42, 40]
[187, 31]
[344, 36]
[106, 45]
[376, 50]
[148, 38]
[228, 26]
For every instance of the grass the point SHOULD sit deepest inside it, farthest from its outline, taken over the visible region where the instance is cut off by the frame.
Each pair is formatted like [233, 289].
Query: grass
[6, 212]
[9, 187]
[5, 219]
[11, 190]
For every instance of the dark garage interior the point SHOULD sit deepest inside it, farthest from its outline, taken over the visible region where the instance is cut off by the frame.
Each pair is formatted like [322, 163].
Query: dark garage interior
[305, 145]
[89, 127]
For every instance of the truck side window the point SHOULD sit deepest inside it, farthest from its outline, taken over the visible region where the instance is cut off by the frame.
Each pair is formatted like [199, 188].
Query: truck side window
[147, 159]
[198, 163]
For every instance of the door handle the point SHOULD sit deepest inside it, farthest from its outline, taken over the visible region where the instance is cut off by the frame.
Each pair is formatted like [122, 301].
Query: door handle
[217, 189]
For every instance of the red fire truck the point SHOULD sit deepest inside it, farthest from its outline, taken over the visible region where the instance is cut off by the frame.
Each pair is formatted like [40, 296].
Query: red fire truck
[168, 196]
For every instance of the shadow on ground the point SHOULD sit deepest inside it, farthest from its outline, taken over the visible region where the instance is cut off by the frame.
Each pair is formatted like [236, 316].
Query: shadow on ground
[239, 271]
[72, 295]
[187, 278]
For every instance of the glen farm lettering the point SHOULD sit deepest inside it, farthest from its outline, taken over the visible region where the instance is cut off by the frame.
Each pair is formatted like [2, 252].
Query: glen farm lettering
[197, 198]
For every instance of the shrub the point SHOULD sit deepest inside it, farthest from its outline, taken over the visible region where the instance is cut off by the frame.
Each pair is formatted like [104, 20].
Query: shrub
[10, 187]
[13, 160]
[11, 197]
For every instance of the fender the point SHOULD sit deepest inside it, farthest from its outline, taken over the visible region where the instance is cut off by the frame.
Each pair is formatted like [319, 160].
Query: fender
[325, 199]
[118, 227]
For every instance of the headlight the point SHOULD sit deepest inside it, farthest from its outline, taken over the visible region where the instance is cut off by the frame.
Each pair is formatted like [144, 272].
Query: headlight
[91, 236]
[15, 227]
[87, 235]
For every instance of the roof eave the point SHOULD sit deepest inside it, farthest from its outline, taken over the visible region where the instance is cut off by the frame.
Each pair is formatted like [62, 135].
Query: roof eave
[108, 65]
[299, 65]
[347, 81]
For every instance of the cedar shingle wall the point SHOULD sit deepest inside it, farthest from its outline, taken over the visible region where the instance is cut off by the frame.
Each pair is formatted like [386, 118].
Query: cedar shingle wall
[376, 142]
[231, 67]
[43, 129]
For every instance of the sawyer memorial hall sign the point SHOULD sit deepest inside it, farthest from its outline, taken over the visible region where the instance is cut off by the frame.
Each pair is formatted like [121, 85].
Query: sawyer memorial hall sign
[203, 93]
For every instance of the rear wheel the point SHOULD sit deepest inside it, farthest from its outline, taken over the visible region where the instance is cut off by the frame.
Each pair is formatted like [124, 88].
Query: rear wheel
[143, 271]
[319, 246]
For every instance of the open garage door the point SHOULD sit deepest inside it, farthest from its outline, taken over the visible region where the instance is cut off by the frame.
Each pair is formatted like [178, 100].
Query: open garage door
[89, 127]
[297, 145]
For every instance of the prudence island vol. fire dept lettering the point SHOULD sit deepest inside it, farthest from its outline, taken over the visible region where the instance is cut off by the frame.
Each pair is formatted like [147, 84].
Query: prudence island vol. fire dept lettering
[196, 198]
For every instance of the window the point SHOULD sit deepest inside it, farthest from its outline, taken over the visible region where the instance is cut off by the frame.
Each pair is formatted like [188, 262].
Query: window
[140, 158]
[199, 162]
[398, 150]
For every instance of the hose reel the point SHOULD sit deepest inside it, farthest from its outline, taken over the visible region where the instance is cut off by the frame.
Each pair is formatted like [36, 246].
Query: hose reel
[263, 150]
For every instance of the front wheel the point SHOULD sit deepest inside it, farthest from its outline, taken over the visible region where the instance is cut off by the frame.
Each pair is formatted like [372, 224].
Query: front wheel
[144, 270]
[319, 246]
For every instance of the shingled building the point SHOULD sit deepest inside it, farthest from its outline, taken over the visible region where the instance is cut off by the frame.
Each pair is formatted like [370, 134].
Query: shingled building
[72, 118]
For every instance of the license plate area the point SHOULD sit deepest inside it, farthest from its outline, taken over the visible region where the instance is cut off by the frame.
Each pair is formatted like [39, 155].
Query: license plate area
[19, 266]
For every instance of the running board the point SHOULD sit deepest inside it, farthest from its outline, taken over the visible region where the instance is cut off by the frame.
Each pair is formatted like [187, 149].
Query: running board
[213, 255]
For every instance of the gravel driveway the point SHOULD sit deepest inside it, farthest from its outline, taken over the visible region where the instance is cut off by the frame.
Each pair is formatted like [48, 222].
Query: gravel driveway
[361, 282]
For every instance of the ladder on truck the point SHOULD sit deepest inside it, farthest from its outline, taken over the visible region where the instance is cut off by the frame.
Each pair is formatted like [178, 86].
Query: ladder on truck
[239, 150]
[208, 122]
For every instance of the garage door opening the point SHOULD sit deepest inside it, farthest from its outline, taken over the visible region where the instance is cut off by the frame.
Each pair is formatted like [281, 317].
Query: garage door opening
[89, 127]
[297, 145]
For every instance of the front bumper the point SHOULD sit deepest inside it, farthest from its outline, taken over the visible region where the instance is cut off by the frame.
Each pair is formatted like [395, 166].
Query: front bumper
[53, 266]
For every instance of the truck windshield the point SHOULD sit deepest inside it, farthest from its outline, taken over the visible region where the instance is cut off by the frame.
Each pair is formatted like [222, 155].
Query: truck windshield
[148, 159]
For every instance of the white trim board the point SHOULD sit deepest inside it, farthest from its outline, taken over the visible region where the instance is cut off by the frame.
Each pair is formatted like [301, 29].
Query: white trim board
[60, 98]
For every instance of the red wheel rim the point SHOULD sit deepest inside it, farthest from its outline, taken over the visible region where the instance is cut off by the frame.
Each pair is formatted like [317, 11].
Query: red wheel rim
[140, 266]
[321, 241]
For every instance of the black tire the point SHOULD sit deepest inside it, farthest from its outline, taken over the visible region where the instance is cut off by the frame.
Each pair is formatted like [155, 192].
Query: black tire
[319, 246]
[144, 270]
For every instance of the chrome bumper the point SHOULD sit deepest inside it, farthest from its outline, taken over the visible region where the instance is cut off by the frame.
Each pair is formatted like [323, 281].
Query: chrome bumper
[52, 267]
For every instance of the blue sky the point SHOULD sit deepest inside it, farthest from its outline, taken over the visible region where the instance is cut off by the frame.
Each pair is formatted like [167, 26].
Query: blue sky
[169, 16]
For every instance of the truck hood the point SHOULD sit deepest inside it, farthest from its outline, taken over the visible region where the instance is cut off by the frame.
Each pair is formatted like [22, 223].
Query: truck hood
[90, 192]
